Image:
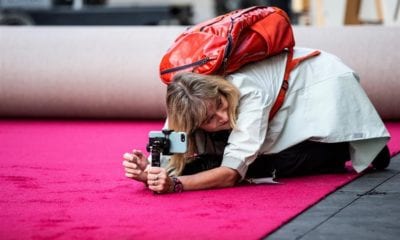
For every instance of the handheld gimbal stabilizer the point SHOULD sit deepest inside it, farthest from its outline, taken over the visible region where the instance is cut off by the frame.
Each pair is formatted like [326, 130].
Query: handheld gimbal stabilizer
[158, 145]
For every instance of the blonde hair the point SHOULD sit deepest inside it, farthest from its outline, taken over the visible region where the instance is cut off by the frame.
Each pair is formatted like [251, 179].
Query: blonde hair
[186, 107]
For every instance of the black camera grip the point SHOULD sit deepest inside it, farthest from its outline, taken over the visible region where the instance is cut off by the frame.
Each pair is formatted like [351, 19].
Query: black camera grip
[155, 158]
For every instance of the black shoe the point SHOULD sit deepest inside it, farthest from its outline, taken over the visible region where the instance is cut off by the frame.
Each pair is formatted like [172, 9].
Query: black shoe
[382, 161]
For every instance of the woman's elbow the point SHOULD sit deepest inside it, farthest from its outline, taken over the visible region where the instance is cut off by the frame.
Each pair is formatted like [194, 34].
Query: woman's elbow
[231, 177]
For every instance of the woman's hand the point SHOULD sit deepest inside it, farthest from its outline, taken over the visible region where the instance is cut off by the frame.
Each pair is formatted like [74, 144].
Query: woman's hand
[135, 164]
[158, 180]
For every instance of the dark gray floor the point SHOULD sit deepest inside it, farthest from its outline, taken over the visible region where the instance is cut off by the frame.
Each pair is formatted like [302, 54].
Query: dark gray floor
[367, 208]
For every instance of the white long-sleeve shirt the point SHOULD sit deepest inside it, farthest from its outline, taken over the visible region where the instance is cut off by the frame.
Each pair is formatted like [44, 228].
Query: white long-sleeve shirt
[324, 103]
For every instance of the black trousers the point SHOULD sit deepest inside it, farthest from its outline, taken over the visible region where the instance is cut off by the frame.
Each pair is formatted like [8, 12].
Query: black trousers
[304, 158]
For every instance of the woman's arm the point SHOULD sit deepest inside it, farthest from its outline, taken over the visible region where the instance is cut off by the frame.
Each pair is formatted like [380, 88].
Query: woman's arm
[215, 178]
[159, 181]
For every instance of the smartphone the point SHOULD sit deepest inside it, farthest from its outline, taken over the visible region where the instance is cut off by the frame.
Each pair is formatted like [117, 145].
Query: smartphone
[177, 140]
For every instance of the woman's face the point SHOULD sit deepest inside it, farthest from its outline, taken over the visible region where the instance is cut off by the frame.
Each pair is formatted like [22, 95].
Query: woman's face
[217, 115]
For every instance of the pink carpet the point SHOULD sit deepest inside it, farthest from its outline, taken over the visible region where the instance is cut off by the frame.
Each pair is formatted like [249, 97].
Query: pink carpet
[64, 180]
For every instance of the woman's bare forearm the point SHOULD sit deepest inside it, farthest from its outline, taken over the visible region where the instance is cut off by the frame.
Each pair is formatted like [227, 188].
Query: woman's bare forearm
[215, 178]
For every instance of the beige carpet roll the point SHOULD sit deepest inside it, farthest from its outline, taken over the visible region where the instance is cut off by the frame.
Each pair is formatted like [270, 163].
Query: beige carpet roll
[112, 72]
[372, 51]
[92, 72]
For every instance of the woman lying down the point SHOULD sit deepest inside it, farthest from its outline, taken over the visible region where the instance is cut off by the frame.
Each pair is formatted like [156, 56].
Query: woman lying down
[325, 120]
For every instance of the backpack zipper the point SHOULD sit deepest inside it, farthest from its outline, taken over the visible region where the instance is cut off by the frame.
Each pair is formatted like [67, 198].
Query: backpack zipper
[223, 16]
[193, 64]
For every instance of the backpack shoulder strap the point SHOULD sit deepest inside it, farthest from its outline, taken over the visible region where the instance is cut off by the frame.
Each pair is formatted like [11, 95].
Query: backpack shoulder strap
[290, 65]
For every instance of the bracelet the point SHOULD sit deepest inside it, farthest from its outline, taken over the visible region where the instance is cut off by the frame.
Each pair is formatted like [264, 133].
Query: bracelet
[176, 185]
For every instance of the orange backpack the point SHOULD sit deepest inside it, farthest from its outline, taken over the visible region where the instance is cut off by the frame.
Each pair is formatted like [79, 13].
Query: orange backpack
[225, 43]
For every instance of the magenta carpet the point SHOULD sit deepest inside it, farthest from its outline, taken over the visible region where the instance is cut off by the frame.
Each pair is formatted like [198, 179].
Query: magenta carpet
[64, 180]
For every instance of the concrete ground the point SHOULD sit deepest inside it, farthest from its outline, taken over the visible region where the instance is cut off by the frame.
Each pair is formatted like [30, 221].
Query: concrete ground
[367, 208]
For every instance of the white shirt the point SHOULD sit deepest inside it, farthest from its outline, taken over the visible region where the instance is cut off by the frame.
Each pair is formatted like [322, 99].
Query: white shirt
[324, 103]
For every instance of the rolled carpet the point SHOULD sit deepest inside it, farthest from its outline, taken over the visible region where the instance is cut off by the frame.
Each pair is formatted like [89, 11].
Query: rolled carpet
[112, 72]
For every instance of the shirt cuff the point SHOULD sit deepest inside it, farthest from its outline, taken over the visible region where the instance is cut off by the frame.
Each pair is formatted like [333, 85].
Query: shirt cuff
[235, 164]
